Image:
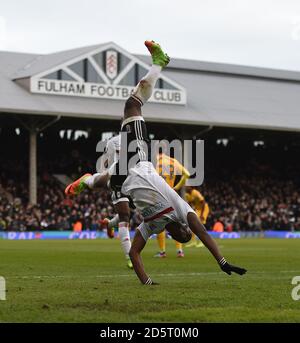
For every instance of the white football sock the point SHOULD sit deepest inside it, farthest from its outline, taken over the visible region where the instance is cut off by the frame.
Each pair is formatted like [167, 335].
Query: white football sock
[125, 238]
[114, 221]
[89, 181]
[144, 88]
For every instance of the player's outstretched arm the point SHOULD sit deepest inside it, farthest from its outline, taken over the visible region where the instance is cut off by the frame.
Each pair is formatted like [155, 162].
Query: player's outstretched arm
[137, 246]
[199, 230]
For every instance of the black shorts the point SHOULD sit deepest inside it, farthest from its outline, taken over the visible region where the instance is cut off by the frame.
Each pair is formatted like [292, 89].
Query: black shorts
[136, 143]
[135, 147]
[117, 197]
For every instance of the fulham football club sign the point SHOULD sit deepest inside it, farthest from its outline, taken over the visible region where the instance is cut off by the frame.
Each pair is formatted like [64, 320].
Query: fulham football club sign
[108, 72]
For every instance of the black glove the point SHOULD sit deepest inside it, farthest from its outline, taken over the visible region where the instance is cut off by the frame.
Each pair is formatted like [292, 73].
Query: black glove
[228, 268]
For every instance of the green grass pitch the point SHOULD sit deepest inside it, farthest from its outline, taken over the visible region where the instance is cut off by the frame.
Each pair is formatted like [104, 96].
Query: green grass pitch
[87, 281]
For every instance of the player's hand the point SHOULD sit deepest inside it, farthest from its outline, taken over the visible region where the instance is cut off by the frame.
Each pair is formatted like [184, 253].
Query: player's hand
[229, 268]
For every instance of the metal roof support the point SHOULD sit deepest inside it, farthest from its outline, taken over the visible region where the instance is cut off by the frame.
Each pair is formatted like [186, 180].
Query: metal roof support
[34, 127]
[32, 167]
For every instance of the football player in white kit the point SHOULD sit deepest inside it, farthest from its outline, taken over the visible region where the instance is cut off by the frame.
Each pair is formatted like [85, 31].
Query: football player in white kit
[161, 207]
[121, 204]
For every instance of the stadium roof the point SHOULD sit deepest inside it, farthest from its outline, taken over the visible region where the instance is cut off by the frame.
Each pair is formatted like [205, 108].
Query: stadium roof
[217, 94]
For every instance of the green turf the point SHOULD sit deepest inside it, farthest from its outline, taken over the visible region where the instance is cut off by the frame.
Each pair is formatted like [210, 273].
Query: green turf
[87, 281]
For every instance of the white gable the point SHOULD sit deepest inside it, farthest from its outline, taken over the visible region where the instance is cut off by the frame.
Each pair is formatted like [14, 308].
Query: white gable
[108, 72]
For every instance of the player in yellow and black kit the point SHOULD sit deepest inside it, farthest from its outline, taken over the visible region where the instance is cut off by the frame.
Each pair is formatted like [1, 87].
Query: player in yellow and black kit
[197, 202]
[175, 175]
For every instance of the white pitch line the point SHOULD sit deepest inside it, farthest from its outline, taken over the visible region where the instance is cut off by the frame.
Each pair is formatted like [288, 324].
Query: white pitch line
[131, 275]
[104, 275]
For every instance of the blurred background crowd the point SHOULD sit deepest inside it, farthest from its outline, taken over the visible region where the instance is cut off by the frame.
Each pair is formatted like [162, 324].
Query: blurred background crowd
[243, 194]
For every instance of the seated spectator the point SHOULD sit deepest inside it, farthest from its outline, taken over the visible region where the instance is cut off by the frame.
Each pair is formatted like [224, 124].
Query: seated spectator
[253, 197]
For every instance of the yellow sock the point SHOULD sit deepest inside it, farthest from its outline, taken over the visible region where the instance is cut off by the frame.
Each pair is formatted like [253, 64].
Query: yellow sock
[161, 240]
[178, 246]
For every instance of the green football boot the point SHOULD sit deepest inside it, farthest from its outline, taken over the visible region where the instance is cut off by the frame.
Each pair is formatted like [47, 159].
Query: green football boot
[77, 186]
[158, 56]
[129, 264]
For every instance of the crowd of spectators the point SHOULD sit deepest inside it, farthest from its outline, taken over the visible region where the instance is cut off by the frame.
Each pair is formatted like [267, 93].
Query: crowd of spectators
[260, 191]
[53, 210]
[254, 204]
[253, 197]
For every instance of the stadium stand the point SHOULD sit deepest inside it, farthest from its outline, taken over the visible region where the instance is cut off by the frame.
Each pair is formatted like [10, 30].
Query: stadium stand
[246, 115]
[243, 192]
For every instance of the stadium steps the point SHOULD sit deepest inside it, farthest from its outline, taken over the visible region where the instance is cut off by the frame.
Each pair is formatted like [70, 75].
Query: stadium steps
[63, 179]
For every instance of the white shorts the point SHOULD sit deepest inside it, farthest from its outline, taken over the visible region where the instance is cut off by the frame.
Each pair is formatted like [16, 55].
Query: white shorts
[158, 203]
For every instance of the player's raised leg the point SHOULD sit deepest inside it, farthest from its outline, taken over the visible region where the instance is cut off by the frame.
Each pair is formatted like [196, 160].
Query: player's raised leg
[144, 89]
[133, 127]
[87, 181]
[78, 185]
